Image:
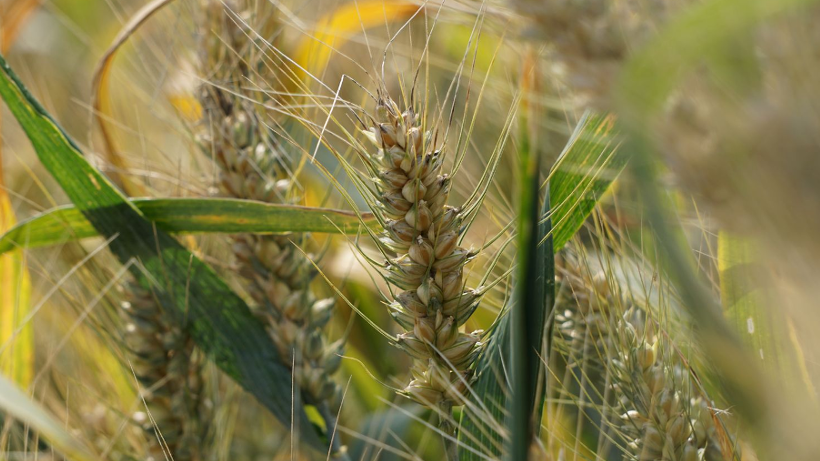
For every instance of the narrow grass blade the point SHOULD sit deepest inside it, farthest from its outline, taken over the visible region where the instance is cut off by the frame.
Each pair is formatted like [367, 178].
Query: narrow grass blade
[218, 320]
[526, 320]
[186, 216]
[587, 166]
[18, 405]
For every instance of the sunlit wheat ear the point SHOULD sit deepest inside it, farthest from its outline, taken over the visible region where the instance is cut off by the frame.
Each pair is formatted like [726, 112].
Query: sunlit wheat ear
[427, 267]
[169, 372]
[253, 165]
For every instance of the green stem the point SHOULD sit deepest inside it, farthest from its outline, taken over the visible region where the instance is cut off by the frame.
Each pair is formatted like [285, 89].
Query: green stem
[448, 430]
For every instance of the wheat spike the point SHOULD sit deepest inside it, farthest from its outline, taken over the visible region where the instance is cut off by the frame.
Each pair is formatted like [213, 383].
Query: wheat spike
[663, 419]
[253, 165]
[424, 233]
[662, 415]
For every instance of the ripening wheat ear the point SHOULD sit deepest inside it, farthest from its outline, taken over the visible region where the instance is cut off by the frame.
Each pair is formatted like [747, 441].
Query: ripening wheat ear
[427, 264]
[253, 165]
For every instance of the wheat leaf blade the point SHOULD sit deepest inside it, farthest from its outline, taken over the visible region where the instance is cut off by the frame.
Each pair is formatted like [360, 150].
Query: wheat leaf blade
[186, 216]
[583, 172]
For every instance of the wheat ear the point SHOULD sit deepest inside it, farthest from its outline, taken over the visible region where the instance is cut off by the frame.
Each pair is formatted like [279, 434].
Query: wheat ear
[663, 417]
[427, 269]
[253, 165]
[163, 359]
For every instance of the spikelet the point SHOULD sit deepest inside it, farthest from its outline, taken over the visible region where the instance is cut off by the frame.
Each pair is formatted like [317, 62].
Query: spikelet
[252, 165]
[427, 270]
[170, 376]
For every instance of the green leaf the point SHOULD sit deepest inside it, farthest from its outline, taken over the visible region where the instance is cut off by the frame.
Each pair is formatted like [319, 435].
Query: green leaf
[218, 320]
[187, 216]
[17, 404]
[585, 169]
[763, 331]
[741, 297]
[580, 177]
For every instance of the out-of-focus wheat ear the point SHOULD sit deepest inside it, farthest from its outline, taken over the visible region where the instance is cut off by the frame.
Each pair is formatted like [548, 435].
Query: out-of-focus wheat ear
[253, 164]
[169, 372]
[660, 412]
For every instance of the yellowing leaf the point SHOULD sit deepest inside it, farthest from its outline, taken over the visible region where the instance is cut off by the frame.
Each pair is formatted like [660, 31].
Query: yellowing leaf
[102, 100]
[16, 351]
[187, 106]
[334, 29]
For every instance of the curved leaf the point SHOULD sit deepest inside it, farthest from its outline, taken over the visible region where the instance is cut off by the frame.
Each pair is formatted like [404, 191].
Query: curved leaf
[102, 101]
[187, 216]
[217, 319]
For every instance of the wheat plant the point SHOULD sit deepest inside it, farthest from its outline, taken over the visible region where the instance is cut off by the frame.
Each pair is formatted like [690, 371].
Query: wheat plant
[584, 228]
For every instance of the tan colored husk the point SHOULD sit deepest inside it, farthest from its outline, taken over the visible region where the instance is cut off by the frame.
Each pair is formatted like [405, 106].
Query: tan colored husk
[427, 268]
[662, 416]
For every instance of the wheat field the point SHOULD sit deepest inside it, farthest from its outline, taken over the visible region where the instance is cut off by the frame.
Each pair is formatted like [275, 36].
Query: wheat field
[409, 229]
